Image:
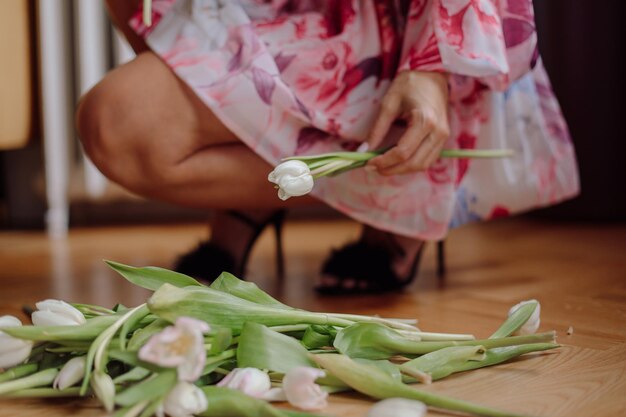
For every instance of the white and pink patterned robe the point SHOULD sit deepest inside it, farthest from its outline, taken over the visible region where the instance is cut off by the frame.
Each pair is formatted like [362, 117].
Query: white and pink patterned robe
[296, 77]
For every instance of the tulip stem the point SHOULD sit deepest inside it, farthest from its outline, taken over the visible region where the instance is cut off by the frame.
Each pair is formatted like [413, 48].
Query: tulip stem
[147, 13]
[421, 348]
[94, 310]
[329, 168]
[45, 393]
[68, 349]
[96, 356]
[289, 328]
[326, 164]
[370, 319]
[35, 380]
[212, 360]
[476, 153]
[439, 337]
[18, 372]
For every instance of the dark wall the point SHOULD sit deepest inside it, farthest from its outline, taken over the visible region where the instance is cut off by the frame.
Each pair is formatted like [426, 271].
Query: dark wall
[583, 43]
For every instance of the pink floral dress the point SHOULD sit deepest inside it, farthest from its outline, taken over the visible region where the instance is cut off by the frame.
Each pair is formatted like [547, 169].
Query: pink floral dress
[296, 77]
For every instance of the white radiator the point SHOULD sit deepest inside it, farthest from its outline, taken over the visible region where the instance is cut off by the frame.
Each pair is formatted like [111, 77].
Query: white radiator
[68, 68]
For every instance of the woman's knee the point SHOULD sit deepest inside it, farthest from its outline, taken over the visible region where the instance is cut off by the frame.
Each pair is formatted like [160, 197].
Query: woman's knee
[98, 130]
[115, 133]
[94, 124]
[140, 122]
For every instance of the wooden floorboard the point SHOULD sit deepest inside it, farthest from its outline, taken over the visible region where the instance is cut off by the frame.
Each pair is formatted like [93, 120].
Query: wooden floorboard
[578, 272]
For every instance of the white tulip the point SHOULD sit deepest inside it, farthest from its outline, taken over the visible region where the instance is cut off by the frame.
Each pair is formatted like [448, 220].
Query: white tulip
[56, 313]
[104, 388]
[302, 391]
[250, 381]
[253, 382]
[185, 400]
[533, 322]
[397, 407]
[293, 179]
[72, 372]
[13, 351]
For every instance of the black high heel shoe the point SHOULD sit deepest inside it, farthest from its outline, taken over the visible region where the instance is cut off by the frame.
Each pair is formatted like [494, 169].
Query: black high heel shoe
[363, 268]
[208, 260]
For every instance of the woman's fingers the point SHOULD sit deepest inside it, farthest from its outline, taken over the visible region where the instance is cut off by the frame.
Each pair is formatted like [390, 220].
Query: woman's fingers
[421, 125]
[421, 100]
[402, 152]
[435, 154]
[426, 155]
[389, 112]
[419, 161]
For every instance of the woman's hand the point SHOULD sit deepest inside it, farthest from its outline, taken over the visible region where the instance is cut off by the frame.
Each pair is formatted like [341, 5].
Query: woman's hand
[421, 99]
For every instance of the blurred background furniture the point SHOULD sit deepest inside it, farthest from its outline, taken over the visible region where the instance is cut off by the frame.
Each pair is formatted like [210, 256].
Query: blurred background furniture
[582, 45]
[16, 86]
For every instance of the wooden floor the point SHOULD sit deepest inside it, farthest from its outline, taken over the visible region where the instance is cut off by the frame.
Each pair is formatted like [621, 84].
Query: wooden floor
[578, 272]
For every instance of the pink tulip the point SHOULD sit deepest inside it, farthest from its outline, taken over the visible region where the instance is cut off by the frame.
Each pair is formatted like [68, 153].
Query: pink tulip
[302, 391]
[180, 346]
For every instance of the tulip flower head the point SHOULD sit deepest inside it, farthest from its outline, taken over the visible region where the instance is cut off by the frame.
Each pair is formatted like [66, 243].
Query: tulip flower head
[250, 381]
[56, 313]
[180, 346]
[104, 388]
[13, 351]
[302, 391]
[397, 407]
[293, 179]
[184, 400]
[71, 373]
[533, 322]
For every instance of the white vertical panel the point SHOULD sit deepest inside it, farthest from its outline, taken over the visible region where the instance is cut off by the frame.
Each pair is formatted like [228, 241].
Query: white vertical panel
[122, 52]
[56, 101]
[92, 49]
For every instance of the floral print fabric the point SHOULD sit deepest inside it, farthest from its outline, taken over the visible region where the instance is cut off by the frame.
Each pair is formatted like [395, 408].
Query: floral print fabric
[294, 77]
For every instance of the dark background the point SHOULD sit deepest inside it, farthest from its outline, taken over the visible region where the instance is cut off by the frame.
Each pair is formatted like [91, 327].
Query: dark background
[582, 45]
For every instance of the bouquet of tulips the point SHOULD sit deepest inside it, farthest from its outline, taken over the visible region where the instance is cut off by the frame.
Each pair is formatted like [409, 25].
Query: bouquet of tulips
[229, 349]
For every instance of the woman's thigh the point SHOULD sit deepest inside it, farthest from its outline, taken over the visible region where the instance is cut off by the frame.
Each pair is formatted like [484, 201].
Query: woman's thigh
[141, 120]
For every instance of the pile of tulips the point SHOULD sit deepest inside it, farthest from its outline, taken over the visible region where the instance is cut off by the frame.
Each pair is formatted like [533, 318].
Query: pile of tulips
[230, 350]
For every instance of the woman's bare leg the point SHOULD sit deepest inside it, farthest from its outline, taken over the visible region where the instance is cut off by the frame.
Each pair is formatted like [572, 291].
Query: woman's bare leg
[146, 130]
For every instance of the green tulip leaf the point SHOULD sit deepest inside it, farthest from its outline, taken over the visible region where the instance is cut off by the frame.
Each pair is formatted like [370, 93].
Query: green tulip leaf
[262, 348]
[152, 277]
[232, 285]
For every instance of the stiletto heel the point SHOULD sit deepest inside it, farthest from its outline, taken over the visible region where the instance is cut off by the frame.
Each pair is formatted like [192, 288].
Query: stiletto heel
[368, 267]
[441, 260]
[362, 268]
[208, 260]
[278, 238]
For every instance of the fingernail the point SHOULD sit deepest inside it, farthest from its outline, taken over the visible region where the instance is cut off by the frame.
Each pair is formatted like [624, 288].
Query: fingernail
[364, 147]
[370, 168]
